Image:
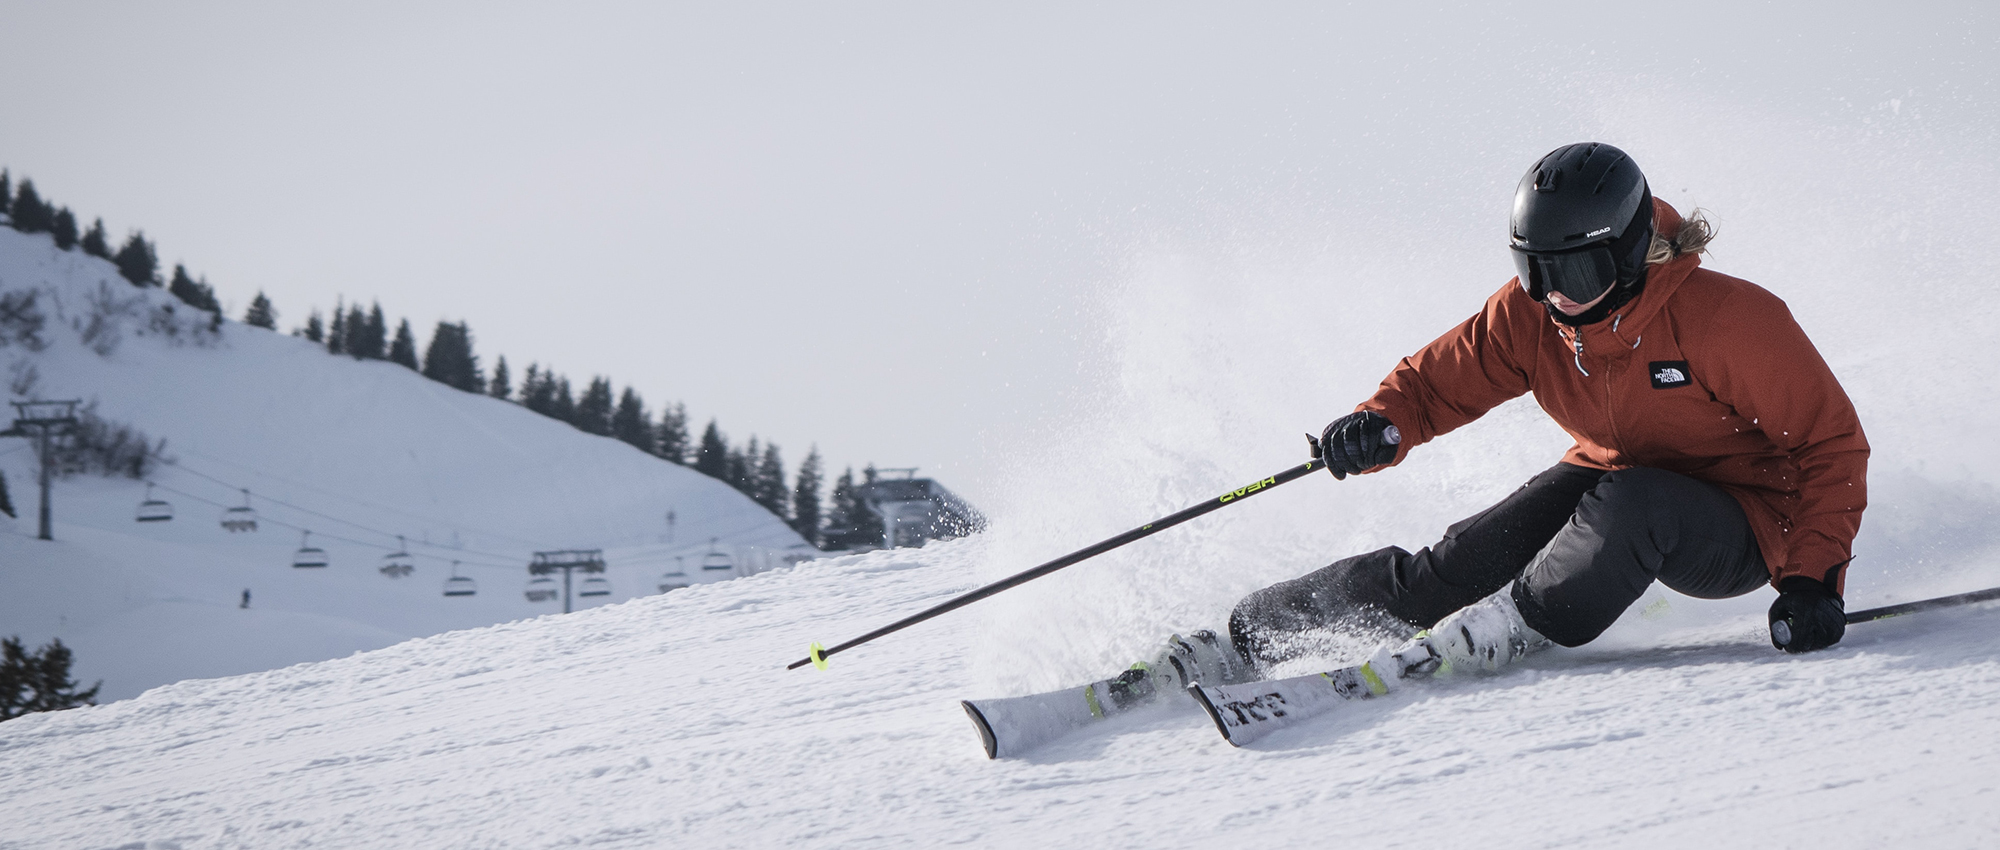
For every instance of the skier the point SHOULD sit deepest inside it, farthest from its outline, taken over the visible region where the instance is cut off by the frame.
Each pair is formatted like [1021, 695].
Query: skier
[1715, 451]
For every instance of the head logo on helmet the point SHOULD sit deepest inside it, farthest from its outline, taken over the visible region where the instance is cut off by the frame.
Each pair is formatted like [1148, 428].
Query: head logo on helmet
[1582, 220]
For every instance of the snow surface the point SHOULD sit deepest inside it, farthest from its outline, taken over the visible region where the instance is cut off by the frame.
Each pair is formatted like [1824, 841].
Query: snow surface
[670, 721]
[358, 452]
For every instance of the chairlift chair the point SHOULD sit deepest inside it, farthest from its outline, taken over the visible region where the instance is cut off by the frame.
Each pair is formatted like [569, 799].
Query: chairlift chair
[459, 585]
[308, 556]
[241, 518]
[716, 559]
[674, 579]
[594, 586]
[398, 564]
[154, 510]
[543, 589]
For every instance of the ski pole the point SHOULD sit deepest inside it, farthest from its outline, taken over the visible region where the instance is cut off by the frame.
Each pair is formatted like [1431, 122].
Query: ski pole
[818, 655]
[1887, 611]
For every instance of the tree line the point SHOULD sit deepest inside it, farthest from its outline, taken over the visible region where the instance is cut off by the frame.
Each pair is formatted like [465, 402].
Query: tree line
[757, 469]
[136, 259]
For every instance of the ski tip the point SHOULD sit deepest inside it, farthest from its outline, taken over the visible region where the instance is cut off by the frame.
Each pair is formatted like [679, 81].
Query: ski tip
[1201, 698]
[985, 729]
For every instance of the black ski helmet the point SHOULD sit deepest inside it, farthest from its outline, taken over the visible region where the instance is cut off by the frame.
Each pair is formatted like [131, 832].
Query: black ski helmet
[1582, 222]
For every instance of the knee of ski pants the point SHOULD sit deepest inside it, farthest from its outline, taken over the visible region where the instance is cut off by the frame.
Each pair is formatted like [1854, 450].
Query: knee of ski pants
[1597, 566]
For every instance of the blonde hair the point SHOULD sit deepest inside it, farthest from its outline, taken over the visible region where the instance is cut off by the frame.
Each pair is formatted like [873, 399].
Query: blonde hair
[1695, 232]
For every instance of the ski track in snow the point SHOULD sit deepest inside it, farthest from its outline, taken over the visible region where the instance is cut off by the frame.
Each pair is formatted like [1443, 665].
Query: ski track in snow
[671, 720]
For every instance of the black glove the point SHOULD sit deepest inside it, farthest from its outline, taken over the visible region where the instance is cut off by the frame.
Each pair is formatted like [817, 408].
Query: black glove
[1358, 442]
[1808, 615]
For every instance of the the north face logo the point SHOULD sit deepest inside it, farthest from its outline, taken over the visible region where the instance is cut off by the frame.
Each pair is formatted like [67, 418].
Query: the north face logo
[1668, 374]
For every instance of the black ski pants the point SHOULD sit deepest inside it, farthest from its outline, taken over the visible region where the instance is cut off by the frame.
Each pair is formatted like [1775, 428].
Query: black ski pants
[1579, 544]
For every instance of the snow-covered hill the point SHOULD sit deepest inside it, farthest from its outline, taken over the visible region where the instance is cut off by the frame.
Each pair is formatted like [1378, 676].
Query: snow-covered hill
[357, 452]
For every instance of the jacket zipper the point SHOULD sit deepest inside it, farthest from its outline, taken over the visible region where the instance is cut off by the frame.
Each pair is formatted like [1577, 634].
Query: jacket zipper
[1611, 392]
[1576, 340]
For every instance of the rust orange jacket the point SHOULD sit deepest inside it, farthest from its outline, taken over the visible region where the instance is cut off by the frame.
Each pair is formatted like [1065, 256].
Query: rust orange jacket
[1702, 374]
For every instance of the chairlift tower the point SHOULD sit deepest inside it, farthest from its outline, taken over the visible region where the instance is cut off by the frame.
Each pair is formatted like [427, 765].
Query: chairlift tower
[567, 561]
[46, 421]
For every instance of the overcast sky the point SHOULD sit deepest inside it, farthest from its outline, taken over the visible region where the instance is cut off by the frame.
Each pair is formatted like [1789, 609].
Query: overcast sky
[885, 228]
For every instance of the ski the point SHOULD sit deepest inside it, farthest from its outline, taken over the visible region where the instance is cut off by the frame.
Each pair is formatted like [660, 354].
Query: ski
[1249, 711]
[1011, 726]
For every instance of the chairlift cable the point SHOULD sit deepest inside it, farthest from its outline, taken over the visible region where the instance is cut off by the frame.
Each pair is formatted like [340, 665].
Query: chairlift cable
[304, 510]
[312, 512]
[283, 524]
[325, 492]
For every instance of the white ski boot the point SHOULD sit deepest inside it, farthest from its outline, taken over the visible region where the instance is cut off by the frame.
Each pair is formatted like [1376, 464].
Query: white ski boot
[1484, 636]
[1202, 656]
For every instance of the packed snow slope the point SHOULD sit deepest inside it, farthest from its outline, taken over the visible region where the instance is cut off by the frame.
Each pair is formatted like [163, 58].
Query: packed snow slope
[670, 721]
[358, 452]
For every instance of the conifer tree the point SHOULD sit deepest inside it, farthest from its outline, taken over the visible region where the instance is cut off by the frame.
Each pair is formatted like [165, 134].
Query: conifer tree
[94, 242]
[403, 349]
[593, 410]
[137, 261]
[38, 681]
[375, 334]
[670, 439]
[840, 503]
[501, 386]
[631, 423]
[6, 191]
[354, 340]
[767, 484]
[62, 226]
[450, 360]
[742, 461]
[847, 521]
[315, 330]
[260, 314]
[711, 458]
[538, 391]
[564, 407]
[6, 502]
[336, 336]
[805, 498]
[196, 294]
[30, 214]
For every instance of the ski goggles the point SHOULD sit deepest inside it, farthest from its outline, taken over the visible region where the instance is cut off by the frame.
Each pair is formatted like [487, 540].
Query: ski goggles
[1580, 274]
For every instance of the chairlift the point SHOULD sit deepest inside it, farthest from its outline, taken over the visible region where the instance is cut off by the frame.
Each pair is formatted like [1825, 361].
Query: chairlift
[716, 559]
[241, 518]
[674, 579]
[459, 585]
[154, 510]
[543, 589]
[398, 564]
[595, 586]
[308, 556]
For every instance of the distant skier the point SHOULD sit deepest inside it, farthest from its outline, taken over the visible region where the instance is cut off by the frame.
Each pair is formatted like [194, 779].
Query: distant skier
[1715, 451]
[246, 598]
